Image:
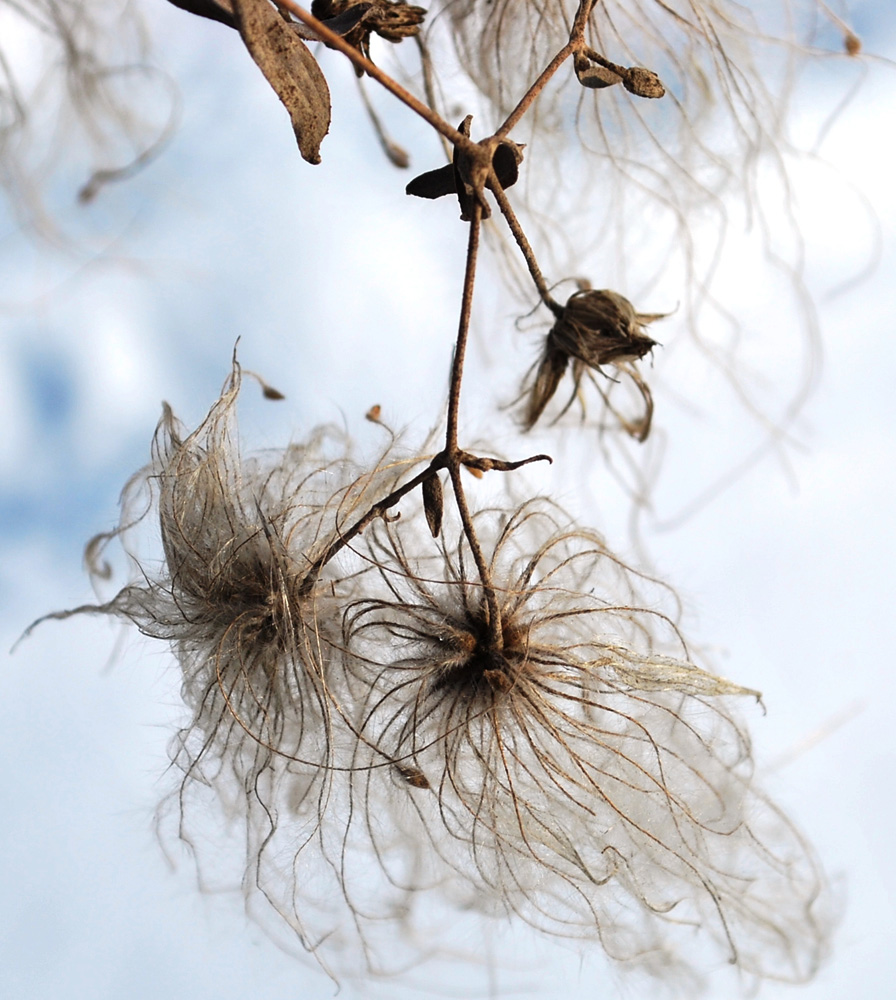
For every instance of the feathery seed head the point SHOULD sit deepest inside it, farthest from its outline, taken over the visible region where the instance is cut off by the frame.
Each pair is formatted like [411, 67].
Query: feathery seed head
[580, 772]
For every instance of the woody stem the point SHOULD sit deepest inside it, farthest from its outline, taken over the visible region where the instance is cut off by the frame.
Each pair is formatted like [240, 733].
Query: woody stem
[453, 453]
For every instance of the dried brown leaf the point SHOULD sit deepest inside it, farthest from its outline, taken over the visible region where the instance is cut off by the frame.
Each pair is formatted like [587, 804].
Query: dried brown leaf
[291, 70]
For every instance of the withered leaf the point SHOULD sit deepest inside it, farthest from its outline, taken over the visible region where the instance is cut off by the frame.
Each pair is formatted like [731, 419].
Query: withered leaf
[214, 10]
[290, 69]
[594, 75]
[433, 504]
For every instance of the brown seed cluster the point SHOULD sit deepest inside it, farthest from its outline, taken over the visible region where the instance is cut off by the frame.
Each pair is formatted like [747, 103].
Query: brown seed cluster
[595, 329]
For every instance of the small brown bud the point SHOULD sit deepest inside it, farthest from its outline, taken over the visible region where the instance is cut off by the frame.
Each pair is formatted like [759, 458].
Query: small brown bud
[433, 503]
[395, 20]
[373, 414]
[852, 43]
[643, 82]
[268, 391]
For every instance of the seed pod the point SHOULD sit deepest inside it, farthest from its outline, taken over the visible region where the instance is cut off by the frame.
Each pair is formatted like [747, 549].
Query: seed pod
[413, 776]
[594, 75]
[357, 20]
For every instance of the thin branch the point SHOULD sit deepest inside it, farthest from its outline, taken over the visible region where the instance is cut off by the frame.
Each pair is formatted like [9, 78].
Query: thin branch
[526, 249]
[377, 510]
[429, 87]
[452, 451]
[532, 93]
[372, 70]
[396, 154]
[576, 42]
[460, 347]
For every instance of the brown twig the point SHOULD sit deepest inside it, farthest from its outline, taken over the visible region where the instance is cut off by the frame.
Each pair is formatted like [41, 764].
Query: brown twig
[576, 42]
[372, 70]
[377, 510]
[526, 249]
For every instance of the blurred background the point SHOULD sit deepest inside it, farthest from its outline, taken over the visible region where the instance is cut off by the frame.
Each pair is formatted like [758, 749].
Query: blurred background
[343, 294]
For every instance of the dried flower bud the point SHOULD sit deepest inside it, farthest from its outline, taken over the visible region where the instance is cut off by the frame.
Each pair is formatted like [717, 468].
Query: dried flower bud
[433, 503]
[601, 328]
[595, 328]
[643, 82]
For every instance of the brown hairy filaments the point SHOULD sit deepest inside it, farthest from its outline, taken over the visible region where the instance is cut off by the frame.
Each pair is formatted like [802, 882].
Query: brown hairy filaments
[257, 600]
[563, 767]
[466, 661]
